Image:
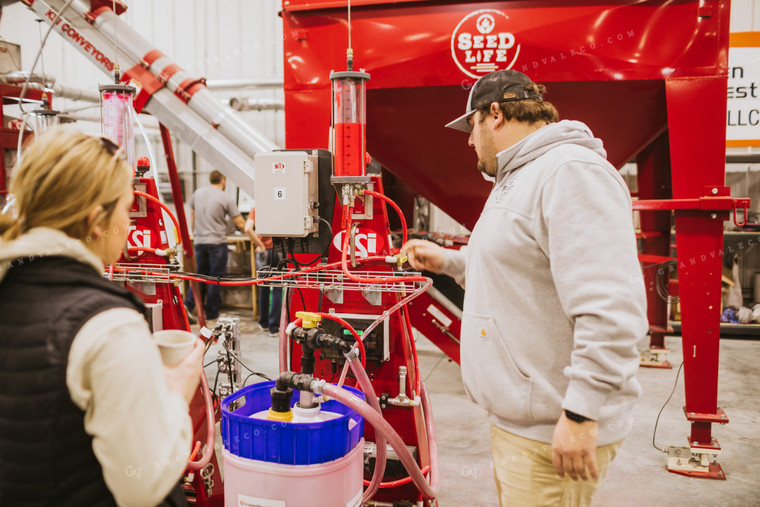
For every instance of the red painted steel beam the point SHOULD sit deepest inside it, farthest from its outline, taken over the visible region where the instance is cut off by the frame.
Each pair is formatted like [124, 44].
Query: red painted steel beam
[701, 203]
[654, 259]
[653, 178]
[176, 191]
[179, 206]
[437, 323]
[10, 92]
[9, 138]
[698, 164]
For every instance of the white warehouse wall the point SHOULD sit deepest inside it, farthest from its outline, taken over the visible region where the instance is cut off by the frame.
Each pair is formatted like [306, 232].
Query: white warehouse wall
[215, 39]
[745, 16]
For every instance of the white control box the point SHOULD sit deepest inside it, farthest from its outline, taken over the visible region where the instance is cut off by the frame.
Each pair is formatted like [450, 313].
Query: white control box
[286, 193]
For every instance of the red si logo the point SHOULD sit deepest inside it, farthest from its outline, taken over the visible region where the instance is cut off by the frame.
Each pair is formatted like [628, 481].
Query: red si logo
[139, 238]
[366, 241]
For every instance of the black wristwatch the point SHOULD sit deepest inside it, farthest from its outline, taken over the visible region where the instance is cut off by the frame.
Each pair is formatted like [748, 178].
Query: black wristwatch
[575, 417]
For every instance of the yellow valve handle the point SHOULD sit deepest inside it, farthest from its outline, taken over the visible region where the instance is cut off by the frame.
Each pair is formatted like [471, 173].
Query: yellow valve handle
[310, 319]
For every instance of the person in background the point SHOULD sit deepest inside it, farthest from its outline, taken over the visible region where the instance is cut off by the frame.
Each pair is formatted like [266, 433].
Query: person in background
[210, 206]
[89, 415]
[269, 314]
[555, 305]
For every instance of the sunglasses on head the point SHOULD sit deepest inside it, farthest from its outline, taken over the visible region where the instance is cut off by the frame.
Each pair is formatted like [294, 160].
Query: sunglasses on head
[115, 151]
[111, 147]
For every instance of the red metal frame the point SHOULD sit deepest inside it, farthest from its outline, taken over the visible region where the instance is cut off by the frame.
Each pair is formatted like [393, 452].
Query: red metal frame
[149, 232]
[408, 422]
[616, 88]
[184, 233]
[648, 78]
[168, 294]
[9, 136]
[699, 235]
[173, 307]
[177, 199]
[437, 323]
[653, 175]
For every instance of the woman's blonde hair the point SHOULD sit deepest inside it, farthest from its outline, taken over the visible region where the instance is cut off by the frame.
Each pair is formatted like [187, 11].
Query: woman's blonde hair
[61, 177]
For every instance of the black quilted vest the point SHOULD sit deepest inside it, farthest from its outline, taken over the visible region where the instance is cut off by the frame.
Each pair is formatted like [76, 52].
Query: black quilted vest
[46, 457]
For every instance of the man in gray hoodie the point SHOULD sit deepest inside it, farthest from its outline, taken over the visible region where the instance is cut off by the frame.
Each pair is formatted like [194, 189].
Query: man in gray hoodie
[555, 305]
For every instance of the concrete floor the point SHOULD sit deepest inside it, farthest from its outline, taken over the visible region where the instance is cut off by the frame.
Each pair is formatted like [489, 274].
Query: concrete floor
[637, 477]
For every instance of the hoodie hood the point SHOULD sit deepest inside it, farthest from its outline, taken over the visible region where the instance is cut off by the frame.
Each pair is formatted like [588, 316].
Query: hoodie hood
[44, 242]
[545, 139]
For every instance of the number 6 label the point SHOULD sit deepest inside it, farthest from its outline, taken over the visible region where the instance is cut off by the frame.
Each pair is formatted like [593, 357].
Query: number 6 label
[279, 193]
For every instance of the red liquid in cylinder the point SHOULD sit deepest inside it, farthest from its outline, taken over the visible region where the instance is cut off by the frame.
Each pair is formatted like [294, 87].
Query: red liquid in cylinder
[349, 149]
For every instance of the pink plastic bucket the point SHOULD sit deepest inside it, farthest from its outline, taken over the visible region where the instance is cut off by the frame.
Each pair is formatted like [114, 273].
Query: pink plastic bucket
[253, 483]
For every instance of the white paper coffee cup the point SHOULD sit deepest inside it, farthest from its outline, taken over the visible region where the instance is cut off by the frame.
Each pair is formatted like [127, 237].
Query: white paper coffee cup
[174, 345]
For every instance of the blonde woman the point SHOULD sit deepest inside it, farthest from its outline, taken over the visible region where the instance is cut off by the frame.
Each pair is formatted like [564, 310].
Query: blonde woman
[88, 413]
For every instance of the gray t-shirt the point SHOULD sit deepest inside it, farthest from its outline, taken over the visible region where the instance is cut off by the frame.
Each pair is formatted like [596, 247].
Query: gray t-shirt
[212, 206]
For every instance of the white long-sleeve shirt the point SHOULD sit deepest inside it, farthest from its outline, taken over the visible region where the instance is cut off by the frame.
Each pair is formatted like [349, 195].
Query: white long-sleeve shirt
[141, 432]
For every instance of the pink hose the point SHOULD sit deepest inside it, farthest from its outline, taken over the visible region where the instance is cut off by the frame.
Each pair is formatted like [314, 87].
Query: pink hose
[427, 411]
[283, 333]
[369, 392]
[429, 491]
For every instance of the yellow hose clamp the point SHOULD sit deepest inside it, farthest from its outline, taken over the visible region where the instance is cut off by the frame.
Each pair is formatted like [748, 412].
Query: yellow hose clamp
[310, 319]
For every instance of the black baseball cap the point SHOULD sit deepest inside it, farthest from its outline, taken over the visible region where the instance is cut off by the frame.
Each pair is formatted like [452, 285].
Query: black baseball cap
[498, 86]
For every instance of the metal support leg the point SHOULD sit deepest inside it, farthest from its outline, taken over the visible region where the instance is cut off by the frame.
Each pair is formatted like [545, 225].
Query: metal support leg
[698, 162]
[653, 177]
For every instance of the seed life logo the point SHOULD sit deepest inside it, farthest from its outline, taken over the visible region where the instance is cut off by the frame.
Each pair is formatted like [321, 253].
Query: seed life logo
[481, 43]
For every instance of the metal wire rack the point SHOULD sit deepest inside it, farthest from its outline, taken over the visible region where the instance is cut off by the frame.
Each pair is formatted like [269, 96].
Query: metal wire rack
[335, 279]
[130, 272]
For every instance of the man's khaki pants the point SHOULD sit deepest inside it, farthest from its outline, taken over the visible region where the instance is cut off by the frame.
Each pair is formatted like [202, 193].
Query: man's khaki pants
[525, 475]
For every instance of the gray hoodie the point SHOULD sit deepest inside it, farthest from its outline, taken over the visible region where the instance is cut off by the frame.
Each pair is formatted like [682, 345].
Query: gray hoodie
[555, 305]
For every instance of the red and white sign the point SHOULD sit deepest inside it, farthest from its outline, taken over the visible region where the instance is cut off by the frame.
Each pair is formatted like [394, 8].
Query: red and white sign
[743, 111]
[139, 238]
[366, 240]
[482, 43]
